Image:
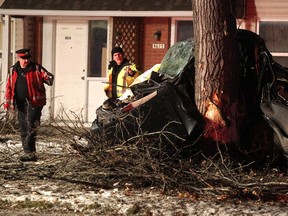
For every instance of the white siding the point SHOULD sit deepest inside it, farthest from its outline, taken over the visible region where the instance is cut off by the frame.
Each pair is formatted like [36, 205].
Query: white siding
[263, 10]
[268, 9]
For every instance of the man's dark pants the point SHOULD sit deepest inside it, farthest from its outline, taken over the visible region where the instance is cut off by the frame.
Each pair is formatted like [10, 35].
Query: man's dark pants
[29, 120]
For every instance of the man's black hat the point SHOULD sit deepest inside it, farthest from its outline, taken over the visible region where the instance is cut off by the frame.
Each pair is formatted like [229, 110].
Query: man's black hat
[24, 53]
[117, 50]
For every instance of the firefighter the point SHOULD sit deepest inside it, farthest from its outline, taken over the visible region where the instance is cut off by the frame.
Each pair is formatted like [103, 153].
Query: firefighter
[121, 74]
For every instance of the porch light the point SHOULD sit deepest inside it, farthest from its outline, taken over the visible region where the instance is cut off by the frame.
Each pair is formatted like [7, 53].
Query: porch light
[157, 35]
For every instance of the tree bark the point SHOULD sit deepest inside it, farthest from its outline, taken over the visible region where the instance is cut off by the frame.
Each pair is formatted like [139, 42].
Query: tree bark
[217, 68]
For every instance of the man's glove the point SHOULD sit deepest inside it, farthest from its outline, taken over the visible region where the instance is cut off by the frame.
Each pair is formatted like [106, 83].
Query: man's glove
[130, 71]
[6, 106]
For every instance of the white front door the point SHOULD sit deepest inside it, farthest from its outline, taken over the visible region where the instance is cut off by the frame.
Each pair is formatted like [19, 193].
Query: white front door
[70, 69]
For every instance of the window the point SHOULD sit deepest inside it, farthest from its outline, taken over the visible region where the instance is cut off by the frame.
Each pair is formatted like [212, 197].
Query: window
[181, 30]
[184, 30]
[97, 48]
[274, 34]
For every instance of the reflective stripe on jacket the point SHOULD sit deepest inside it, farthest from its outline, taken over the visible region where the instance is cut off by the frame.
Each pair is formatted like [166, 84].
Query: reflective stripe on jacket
[123, 80]
[35, 78]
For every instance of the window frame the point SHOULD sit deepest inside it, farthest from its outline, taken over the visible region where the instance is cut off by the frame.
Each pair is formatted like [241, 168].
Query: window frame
[109, 45]
[275, 54]
[103, 73]
[174, 28]
[12, 40]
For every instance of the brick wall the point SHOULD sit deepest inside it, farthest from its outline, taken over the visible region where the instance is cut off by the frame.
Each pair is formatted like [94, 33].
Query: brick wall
[153, 51]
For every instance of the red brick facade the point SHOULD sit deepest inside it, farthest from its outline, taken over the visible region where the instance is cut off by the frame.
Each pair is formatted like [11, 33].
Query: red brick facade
[153, 51]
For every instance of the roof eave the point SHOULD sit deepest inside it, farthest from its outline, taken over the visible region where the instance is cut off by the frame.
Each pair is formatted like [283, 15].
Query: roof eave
[82, 13]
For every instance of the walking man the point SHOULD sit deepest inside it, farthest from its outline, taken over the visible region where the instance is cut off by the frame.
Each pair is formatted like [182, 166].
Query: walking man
[25, 91]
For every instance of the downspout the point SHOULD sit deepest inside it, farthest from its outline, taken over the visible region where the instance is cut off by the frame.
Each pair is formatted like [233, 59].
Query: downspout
[6, 49]
[38, 30]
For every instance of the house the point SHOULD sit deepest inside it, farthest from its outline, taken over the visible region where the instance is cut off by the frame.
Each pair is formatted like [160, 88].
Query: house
[73, 39]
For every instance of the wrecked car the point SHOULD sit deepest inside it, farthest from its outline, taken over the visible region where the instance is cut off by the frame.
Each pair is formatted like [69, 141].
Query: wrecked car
[163, 105]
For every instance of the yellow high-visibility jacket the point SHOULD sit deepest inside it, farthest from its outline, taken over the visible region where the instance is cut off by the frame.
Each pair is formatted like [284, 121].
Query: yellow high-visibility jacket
[118, 78]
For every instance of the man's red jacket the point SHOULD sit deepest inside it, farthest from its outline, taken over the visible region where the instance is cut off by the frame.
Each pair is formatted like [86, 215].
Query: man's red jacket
[36, 77]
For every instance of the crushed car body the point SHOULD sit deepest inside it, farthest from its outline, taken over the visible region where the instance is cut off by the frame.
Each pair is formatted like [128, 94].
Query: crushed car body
[162, 103]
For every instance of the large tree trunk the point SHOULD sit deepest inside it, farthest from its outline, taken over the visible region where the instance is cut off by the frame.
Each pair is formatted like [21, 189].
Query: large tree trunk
[217, 68]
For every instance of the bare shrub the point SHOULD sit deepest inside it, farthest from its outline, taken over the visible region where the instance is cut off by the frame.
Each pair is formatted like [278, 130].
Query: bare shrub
[153, 159]
[8, 121]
